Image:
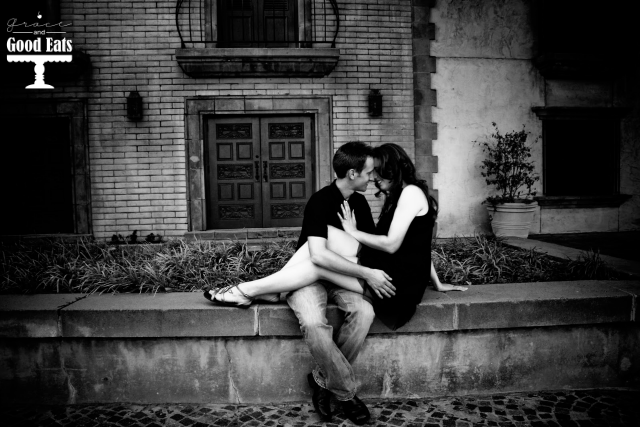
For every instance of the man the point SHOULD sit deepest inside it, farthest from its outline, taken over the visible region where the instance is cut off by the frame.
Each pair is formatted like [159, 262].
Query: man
[333, 375]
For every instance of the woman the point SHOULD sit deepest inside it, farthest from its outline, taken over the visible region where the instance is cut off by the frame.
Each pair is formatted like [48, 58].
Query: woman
[401, 247]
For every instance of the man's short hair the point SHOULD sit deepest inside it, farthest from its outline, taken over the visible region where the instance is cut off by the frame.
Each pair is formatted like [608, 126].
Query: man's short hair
[352, 155]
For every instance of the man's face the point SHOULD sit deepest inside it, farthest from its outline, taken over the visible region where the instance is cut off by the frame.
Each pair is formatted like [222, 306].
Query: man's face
[361, 180]
[381, 183]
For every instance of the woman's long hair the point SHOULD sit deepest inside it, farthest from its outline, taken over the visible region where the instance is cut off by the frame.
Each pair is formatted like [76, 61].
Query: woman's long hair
[396, 166]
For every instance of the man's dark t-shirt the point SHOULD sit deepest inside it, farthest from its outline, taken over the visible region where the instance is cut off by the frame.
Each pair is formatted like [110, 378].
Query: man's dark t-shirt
[323, 208]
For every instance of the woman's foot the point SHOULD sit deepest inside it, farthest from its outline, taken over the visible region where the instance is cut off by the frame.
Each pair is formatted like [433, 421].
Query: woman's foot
[231, 296]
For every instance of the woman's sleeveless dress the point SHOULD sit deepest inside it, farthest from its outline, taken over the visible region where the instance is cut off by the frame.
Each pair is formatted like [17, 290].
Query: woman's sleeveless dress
[409, 268]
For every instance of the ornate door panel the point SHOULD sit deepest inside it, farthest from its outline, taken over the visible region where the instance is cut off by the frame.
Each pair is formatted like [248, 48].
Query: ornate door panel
[259, 171]
[233, 155]
[287, 160]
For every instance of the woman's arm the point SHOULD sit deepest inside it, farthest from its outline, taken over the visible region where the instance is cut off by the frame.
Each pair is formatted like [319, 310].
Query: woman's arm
[411, 202]
[443, 287]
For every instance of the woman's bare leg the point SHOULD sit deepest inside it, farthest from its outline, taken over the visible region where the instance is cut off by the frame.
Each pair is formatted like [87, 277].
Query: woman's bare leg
[300, 271]
[298, 276]
[337, 241]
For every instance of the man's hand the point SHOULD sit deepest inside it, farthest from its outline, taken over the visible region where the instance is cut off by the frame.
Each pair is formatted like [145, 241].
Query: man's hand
[347, 219]
[379, 281]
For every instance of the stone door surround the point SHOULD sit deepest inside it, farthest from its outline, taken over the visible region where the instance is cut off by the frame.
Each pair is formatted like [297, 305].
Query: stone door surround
[197, 108]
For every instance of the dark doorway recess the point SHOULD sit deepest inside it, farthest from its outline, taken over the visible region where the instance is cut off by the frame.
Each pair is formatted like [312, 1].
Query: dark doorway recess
[44, 168]
[37, 175]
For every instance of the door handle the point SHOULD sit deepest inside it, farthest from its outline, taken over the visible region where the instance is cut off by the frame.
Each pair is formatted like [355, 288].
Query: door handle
[257, 163]
[265, 173]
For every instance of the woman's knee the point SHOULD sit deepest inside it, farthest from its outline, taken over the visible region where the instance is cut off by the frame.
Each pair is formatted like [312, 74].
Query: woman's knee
[300, 255]
[341, 243]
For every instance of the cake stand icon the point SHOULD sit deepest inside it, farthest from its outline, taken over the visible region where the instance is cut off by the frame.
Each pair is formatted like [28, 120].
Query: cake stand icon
[39, 60]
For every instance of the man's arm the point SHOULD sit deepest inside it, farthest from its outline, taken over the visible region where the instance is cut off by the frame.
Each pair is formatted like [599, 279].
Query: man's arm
[323, 257]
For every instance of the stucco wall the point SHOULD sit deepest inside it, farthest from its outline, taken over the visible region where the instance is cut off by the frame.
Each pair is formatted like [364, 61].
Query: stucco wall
[484, 52]
[484, 75]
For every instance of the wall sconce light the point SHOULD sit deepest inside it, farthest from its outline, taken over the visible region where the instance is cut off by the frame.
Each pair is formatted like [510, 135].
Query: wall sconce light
[375, 103]
[134, 106]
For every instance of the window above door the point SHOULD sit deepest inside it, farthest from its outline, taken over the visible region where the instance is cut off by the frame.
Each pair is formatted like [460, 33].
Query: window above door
[257, 38]
[251, 23]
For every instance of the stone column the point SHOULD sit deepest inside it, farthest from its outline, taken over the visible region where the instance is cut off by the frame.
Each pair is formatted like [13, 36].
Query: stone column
[423, 96]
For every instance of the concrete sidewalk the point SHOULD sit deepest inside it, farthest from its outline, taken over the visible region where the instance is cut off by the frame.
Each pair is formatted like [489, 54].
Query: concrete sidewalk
[576, 247]
[623, 244]
[559, 408]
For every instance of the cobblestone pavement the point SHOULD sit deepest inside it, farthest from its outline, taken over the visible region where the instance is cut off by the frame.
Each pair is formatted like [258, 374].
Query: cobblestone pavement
[561, 408]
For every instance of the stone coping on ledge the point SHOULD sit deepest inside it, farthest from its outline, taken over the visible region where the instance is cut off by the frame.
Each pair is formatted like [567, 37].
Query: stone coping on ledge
[245, 234]
[190, 315]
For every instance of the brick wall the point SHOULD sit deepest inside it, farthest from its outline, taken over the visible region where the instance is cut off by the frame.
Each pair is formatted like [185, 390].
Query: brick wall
[138, 168]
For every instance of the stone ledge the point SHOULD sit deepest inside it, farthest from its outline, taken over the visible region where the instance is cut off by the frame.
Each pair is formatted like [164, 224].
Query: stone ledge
[257, 62]
[33, 316]
[499, 306]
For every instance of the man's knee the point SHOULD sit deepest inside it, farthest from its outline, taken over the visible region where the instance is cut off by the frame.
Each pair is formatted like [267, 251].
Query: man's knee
[314, 326]
[362, 313]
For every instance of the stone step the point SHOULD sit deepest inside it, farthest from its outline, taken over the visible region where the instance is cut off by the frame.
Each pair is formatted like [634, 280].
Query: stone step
[249, 234]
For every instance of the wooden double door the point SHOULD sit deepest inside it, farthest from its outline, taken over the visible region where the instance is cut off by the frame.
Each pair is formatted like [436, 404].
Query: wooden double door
[260, 171]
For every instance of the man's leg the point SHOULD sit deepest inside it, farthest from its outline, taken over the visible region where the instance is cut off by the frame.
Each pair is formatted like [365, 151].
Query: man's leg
[358, 316]
[334, 371]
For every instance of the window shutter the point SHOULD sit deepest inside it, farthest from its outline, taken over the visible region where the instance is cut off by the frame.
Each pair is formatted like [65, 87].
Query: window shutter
[237, 22]
[276, 5]
[258, 23]
[279, 23]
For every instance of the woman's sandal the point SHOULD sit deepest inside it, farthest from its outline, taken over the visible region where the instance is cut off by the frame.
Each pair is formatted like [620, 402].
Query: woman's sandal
[211, 297]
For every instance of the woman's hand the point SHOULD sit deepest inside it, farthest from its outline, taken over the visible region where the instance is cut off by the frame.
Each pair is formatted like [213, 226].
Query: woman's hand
[445, 287]
[347, 219]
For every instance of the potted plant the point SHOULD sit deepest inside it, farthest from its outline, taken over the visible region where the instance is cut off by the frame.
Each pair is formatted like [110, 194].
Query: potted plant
[508, 167]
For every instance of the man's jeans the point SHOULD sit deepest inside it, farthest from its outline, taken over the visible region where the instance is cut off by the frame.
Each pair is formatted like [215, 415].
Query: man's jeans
[334, 359]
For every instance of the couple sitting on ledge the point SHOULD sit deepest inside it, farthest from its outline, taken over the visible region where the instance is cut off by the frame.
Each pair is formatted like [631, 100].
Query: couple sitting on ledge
[362, 267]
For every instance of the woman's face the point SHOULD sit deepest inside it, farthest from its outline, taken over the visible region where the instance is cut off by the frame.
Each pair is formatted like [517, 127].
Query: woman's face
[381, 183]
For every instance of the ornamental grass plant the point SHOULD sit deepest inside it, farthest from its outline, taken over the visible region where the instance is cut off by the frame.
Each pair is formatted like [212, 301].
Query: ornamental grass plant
[482, 260]
[95, 267]
[177, 266]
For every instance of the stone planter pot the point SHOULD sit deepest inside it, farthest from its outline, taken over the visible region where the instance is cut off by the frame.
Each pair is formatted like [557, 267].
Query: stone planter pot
[512, 219]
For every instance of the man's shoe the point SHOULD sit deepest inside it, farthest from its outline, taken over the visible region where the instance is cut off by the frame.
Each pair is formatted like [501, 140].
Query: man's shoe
[321, 399]
[356, 410]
